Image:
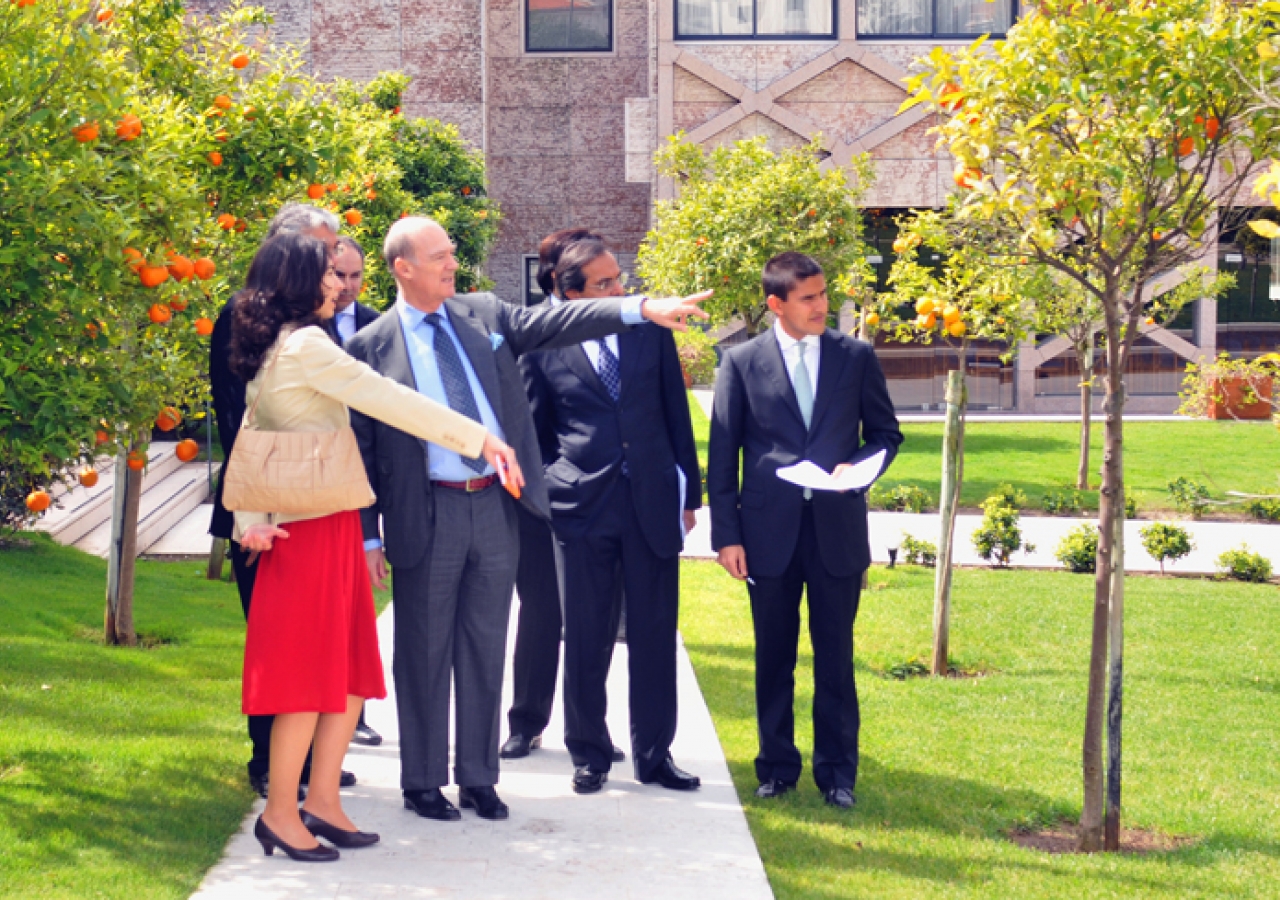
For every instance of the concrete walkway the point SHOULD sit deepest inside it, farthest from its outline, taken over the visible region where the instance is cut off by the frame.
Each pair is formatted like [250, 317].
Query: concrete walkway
[630, 842]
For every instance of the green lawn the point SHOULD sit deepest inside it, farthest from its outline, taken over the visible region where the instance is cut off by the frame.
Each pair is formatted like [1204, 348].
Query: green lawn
[121, 770]
[1040, 457]
[949, 766]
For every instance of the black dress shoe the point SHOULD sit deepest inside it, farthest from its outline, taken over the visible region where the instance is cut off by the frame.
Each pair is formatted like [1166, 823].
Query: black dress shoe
[841, 798]
[587, 782]
[618, 755]
[773, 788]
[339, 837]
[484, 800]
[269, 841]
[518, 746]
[431, 804]
[672, 778]
[366, 736]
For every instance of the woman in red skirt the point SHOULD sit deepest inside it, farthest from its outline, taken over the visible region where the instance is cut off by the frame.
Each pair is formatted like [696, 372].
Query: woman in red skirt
[311, 655]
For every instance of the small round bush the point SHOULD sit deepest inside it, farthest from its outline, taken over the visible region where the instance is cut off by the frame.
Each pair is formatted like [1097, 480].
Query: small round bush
[1078, 549]
[1244, 565]
[1166, 542]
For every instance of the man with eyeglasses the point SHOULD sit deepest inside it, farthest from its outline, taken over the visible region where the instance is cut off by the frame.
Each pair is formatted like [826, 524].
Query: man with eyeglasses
[622, 476]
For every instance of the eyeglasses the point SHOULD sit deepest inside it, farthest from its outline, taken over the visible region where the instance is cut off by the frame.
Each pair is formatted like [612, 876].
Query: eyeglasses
[607, 284]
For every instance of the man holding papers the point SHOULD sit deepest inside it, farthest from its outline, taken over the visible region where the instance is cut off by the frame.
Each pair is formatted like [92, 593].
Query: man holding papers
[800, 392]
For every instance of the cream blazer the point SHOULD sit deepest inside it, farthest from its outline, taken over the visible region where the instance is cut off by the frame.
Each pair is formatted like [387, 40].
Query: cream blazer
[313, 382]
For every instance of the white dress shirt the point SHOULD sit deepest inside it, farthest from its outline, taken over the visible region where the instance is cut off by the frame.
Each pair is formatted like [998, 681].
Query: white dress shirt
[345, 322]
[592, 348]
[812, 355]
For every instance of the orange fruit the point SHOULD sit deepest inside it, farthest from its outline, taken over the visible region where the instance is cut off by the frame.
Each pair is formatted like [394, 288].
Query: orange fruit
[105, 15]
[929, 321]
[86, 132]
[966, 178]
[220, 136]
[241, 225]
[180, 267]
[873, 319]
[187, 450]
[222, 101]
[129, 127]
[215, 158]
[168, 419]
[371, 194]
[159, 313]
[369, 179]
[91, 329]
[924, 307]
[135, 257]
[100, 438]
[950, 315]
[956, 329]
[137, 460]
[177, 304]
[1211, 127]
[466, 191]
[240, 60]
[315, 191]
[1150, 320]
[250, 113]
[204, 327]
[88, 476]
[1186, 146]
[204, 268]
[353, 216]
[153, 276]
[226, 221]
[38, 501]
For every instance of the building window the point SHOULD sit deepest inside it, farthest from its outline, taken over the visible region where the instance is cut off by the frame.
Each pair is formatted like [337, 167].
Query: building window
[552, 26]
[755, 19]
[532, 293]
[935, 18]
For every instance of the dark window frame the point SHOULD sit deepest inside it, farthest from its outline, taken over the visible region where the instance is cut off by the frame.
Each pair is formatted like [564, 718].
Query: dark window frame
[755, 37]
[530, 293]
[613, 9]
[1016, 8]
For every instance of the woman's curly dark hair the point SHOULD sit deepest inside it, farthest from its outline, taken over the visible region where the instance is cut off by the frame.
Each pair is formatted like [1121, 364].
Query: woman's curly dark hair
[282, 288]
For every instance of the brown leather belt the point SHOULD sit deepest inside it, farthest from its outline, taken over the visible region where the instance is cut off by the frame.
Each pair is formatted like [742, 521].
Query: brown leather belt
[471, 485]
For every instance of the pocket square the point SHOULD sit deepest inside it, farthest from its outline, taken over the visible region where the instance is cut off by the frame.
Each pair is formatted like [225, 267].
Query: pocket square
[495, 341]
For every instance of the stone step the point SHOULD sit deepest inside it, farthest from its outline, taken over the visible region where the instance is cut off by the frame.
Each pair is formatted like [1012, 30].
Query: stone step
[78, 510]
[163, 505]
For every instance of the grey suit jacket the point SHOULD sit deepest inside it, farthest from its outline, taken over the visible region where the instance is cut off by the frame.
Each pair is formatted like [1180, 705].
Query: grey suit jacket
[493, 334]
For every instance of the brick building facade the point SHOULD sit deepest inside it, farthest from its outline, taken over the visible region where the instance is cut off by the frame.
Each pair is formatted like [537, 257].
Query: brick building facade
[569, 98]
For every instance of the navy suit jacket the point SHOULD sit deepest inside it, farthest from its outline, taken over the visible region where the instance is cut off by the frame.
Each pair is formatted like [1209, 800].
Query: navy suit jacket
[756, 417]
[585, 437]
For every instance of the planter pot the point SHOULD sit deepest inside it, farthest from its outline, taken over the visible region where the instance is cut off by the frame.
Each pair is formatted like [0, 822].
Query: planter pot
[1234, 406]
[688, 379]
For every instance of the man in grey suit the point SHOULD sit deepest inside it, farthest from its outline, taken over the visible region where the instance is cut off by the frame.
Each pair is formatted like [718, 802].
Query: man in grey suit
[450, 530]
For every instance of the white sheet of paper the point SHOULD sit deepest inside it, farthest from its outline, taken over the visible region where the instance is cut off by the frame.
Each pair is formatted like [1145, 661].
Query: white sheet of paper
[811, 475]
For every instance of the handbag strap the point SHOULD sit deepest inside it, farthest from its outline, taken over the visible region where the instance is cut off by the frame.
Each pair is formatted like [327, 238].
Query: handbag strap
[253, 407]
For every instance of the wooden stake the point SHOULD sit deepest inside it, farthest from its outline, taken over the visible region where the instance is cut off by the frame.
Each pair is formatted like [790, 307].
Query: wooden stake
[952, 441]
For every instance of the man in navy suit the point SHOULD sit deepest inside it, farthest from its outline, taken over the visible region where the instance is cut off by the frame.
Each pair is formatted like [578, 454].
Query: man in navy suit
[349, 314]
[799, 391]
[623, 484]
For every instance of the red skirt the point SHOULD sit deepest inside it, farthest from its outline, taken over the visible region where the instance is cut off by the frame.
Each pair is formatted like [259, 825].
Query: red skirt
[313, 635]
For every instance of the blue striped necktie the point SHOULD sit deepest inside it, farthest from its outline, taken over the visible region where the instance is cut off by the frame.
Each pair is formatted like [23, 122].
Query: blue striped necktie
[609, 373]
[454, 378]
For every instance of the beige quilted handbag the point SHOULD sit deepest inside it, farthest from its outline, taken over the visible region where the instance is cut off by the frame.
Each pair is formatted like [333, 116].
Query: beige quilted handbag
[295, 473]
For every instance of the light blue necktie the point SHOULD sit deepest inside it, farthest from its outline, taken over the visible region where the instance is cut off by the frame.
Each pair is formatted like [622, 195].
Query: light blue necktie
[804, 395]
[803, 386]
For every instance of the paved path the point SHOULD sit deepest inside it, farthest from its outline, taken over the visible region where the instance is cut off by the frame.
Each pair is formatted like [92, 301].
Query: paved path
[630, 841]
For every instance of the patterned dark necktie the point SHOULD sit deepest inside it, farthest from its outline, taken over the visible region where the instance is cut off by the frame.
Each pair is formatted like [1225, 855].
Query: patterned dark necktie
[609, 371]
[454, 378]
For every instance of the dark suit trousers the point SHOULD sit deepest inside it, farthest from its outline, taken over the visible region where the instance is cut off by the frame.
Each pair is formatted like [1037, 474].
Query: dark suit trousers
[537, 656]
[615, 549]
[259, 726]
[451, 627]
[775, 612]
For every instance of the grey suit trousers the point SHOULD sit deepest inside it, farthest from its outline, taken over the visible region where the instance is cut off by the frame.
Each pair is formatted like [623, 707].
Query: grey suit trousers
[451, 616]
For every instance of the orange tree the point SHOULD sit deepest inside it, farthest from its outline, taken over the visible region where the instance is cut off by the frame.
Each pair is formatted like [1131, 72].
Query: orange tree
[1103, 141]
[736, 207]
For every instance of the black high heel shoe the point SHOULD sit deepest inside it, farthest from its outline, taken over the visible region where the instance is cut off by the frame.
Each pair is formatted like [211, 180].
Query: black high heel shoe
[339, 837]
[270, 841]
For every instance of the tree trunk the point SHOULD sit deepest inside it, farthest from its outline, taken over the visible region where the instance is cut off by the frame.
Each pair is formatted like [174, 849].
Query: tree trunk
[949, 501]
[124, 553]
[1085, 356]
[1115, 701]
[1110, 509]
